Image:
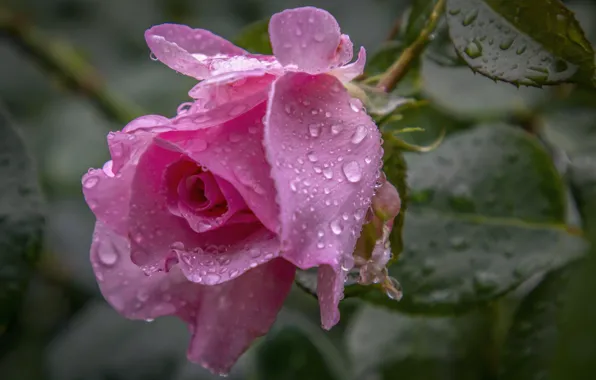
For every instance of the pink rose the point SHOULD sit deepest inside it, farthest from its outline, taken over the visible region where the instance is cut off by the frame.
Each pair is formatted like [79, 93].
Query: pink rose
[206, 215]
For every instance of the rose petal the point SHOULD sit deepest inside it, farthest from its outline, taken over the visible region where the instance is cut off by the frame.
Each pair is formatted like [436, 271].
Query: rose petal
[234, 151]
[224, 319]
[201, 54]
[325, 153]
[107, 190]
[221, 112]
[348, 72]
[308, 39]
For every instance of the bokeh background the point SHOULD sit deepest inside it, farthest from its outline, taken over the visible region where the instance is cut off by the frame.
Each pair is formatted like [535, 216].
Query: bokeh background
[65, 330]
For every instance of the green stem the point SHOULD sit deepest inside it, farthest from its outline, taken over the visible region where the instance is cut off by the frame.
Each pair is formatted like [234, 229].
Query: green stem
[399, 69]
[62, 60]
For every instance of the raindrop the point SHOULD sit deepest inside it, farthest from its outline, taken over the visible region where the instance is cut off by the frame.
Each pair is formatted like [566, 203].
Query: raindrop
[298, 31]
[320, 245]
[336, 227]
[288, 109]
[90, 182]
[521, 50]
[506, 44]
[319, 37]
[314, 130]
[328, 173]
[211, 278]
[352, 171]
[359, 135]
[311, 157]
[394, 290]
[152, 57]
[355, 105]
[108, 257]
[473, 50]
[470, 18]
[335, 129]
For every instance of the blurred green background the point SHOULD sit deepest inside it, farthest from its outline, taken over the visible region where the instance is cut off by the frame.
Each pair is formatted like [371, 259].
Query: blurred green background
[66, 331]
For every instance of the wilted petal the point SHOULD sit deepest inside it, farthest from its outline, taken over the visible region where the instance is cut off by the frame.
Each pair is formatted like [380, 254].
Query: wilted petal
[325, 154]
[308, 39]
[223, 319]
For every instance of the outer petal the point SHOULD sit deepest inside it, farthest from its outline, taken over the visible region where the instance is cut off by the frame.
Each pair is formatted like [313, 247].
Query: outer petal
[325, 153]
[234, 151]
[107, 191]
[348, 72]
[309, 40]
[224, 319]
[201, 54]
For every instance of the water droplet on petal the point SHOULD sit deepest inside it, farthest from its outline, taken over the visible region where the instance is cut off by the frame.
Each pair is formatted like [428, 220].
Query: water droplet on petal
[90, 182]
[211, 279]
[359, 135]
[320, 245]
[355, 105]
[328, 173]
[314, 130]
[298, 31]
[319, 37]
[108, 257]
[311, 157]
[336, 227]
[352, 171]
[152, 57]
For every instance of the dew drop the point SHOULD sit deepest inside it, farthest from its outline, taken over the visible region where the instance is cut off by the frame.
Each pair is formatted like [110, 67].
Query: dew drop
[108, 257]
[474, 49]
[211, 278]
[336, 227]
[394, 291]
[355, 105]
[314, 130]
[352, 171]
[359, 135]
[298, 32]
[320, 245]
[335, 129]
[152, 57]
[312, 157]
[90, 182]
[328, 173]
[319, 37]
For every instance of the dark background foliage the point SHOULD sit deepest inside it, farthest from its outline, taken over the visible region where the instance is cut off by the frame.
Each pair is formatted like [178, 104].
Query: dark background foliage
[496, 277]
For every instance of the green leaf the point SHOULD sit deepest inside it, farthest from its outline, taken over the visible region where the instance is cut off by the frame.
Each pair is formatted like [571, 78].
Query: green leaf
[432, 120]
[486, 212]
[21, 219]
[393, 345]
[297, 349]
[530, 346]
[255, 38]
[477, 96]
[441, 50]
[532, 42]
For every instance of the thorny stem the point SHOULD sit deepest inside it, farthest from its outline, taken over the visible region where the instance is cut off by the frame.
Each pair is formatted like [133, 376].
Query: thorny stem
[397, 71]
[62, 60]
